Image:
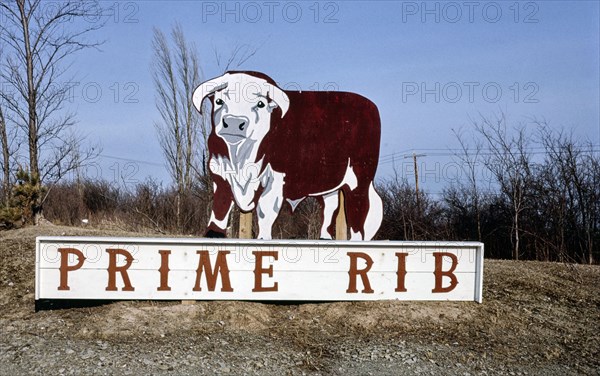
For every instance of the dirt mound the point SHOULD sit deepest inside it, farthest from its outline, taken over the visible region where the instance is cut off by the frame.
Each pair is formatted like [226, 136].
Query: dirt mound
[537, 318]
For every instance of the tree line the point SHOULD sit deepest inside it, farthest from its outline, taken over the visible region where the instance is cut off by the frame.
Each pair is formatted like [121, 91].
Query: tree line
[540, 199]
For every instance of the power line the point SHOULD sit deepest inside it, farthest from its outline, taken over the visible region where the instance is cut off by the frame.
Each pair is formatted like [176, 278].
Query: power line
[460, 150]
[398, 153]
[387, 159]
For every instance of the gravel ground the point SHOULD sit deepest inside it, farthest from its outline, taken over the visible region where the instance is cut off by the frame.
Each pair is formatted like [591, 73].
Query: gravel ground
[536, 319]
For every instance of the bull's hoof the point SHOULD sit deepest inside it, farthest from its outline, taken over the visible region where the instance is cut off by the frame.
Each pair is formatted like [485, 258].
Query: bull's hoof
[214, 234]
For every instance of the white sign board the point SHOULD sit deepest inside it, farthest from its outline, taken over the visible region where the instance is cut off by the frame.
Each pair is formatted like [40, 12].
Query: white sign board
[209, 269]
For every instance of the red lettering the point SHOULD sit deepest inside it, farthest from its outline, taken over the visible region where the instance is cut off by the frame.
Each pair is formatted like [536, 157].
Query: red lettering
[164, 271]
[354, 272]
[221, 268]
[113, 269]
[64, 265]
[259, 271]
[439, 273]
[401, 272]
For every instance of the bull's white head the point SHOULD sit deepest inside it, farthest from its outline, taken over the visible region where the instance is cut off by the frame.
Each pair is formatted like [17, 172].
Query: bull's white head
[242, 105]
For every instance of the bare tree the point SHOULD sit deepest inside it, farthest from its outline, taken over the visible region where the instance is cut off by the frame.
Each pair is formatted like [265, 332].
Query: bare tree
[469, 158]
[176, 74]
[40, 41]
[5, 159]
[572, 181]
[237, 57]
[183, 132]
[593, 163]
[508, 160]
[6, 152]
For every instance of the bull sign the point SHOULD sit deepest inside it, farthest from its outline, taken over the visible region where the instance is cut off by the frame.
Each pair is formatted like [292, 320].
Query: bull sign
[270, 146]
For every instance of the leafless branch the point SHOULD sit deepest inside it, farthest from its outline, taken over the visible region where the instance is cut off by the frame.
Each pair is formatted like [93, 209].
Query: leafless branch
[39, 41]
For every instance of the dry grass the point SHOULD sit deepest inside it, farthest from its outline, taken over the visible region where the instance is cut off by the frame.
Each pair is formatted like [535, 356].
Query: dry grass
[535, 314]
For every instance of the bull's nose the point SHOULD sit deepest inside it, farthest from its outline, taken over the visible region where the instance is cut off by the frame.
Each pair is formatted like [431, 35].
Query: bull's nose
[235, 123]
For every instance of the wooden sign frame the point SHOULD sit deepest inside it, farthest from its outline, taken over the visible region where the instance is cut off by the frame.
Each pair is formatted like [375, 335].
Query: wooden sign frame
[227, 269]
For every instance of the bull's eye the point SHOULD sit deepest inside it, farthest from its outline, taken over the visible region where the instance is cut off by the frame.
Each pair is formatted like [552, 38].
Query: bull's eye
[260, 104]
[219, 101]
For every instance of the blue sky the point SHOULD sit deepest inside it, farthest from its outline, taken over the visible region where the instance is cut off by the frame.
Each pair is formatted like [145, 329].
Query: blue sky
[429, 67]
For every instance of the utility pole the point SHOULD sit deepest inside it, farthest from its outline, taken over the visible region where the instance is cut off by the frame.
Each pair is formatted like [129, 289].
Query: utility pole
[417, 195]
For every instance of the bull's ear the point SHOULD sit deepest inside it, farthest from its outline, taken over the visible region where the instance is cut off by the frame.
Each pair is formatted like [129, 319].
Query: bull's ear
[280, 98]
[207, 88]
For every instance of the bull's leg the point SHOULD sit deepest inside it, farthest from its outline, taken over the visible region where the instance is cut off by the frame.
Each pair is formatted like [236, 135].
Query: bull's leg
[330, 205]
[364, 211]
[269, 205]
[222, 205]
[374, 215]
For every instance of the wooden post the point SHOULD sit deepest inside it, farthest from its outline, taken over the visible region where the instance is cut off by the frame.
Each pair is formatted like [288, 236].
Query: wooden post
[245, 225]
[416, 167]
[341, 227]
[245, 233]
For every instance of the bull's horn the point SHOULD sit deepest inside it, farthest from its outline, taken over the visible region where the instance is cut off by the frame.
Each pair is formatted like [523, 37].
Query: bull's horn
[279, 97]
[208, 87]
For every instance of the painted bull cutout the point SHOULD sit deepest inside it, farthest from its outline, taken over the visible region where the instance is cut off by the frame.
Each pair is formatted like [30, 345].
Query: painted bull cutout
[269, 146]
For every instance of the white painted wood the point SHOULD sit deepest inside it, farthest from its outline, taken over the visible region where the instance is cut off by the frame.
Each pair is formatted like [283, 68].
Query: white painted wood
[304, 270]
[479, 273]
[297, 286]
